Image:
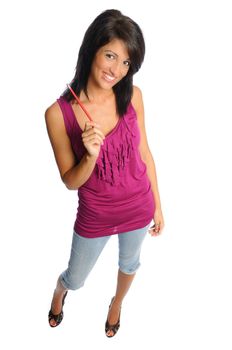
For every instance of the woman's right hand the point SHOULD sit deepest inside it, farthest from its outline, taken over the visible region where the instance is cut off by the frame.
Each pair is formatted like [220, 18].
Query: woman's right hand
[92, 138]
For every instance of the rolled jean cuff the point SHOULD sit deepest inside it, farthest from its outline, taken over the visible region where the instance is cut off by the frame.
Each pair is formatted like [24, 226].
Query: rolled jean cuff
[67, 285]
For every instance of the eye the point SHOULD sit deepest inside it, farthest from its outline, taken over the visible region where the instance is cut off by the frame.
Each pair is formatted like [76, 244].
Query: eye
[127, 63]
[110, 56]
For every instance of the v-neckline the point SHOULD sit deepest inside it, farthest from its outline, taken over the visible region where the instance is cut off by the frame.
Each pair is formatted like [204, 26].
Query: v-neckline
[109, 133]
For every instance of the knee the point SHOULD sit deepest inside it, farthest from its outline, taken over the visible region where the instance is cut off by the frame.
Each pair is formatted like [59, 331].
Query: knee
[129, 266]
[69, 282]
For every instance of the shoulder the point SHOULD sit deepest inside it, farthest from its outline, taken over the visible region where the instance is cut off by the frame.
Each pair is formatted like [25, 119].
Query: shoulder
[53, 115]
[53, 111]
[137, 102]
[55, 123]
[137, 98]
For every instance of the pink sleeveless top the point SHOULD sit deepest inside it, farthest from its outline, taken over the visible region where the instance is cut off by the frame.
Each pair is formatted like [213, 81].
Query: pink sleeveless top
[117, 197]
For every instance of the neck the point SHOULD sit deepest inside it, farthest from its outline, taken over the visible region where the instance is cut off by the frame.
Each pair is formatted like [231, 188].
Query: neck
[97, 94]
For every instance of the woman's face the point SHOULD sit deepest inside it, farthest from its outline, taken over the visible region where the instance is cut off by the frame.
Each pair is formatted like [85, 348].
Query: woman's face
[110, 65]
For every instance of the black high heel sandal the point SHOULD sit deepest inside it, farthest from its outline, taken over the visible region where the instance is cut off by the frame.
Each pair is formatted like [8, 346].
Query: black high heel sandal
[114, 327]
[57, 318]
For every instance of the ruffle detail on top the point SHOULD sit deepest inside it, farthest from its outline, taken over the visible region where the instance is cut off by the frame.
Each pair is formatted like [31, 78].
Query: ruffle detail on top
[117, 151]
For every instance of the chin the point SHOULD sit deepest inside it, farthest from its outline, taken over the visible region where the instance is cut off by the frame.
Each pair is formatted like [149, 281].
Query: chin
[106, 86]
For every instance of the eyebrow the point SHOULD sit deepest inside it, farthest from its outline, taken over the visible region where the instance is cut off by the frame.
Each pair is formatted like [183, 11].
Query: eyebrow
[127, 59]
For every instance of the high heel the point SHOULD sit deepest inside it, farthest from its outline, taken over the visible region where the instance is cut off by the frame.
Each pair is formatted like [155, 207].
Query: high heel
[114, 327]
[57, 318]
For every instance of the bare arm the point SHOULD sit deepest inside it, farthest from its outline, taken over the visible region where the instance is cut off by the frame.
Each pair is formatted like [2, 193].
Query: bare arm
[79, 174]
[146, 155]
[144, 147]
[72, 175]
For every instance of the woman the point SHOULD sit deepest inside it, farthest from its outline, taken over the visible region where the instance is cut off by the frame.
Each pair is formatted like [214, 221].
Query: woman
[107, 159]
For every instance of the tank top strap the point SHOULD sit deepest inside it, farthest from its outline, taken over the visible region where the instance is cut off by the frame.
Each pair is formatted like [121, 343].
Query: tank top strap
[68, 116]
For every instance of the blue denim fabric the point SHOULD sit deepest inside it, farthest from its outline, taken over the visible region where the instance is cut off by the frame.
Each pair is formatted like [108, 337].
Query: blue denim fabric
[86, 251]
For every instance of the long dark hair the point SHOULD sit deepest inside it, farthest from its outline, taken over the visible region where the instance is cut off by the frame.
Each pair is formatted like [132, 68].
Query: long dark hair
[109, 25]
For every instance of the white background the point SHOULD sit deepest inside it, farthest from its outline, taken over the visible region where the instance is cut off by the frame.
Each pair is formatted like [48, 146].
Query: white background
[181, 297]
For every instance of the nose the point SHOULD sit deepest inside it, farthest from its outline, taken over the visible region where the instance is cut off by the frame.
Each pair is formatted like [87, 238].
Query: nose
[115, 69]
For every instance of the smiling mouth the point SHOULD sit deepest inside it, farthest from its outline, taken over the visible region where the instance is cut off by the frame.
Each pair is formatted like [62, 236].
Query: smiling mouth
[108, 77]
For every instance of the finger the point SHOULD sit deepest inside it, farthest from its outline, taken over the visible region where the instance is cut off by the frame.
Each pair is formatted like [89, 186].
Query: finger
[155, 226]
[92, 139]
[155, 230]
[91, 134]
[93, 130]
[90, 123]
[155, 233]
[87, 126]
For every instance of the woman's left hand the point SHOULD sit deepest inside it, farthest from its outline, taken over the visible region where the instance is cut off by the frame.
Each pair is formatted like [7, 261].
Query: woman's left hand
[158, 226]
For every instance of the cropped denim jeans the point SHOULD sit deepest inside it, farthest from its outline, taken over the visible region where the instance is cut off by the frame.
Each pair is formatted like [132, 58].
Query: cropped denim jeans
[86, 251]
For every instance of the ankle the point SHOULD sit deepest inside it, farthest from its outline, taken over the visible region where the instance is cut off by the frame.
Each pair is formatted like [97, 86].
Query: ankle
[60, 289]
[117, 302]
[59, 293]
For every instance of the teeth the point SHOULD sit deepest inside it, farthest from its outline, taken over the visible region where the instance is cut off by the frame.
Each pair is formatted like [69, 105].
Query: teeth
[109, 77]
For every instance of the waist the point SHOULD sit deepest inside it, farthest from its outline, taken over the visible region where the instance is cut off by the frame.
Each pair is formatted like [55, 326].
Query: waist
[117, 202]
[98, 218]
